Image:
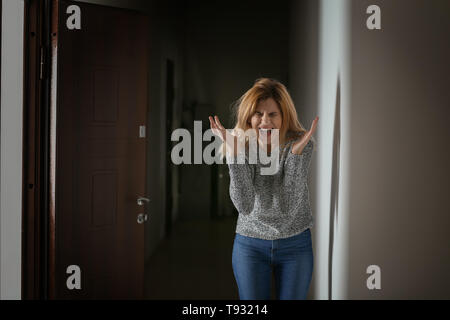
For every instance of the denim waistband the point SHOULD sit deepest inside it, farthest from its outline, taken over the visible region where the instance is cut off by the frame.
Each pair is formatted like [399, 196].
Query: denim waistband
[274, 243]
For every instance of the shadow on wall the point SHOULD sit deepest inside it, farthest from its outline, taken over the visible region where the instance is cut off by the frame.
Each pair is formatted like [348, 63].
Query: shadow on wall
[334, 201]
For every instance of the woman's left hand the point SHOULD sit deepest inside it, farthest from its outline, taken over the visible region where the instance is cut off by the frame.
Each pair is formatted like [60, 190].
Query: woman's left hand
[298, 146]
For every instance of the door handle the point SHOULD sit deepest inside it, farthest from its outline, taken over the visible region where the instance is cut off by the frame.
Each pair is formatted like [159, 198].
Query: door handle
[141, 218]
[141, 200]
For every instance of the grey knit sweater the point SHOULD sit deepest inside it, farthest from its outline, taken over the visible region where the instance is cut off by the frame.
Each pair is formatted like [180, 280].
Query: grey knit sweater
[273, 206]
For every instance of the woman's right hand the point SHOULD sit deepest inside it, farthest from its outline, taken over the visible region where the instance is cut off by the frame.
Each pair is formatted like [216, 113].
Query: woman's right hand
[217, 128]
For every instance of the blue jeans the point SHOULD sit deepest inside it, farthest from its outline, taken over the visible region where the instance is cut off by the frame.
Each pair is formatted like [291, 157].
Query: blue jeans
[290, 259]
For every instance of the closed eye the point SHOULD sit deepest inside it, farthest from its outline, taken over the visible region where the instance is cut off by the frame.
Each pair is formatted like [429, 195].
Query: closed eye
[270, 114]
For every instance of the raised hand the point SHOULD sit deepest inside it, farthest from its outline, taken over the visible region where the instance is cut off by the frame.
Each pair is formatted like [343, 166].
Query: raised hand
[298, 146]
[217, 128]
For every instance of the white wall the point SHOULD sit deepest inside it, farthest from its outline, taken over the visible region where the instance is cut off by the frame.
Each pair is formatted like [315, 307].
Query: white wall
[334, 150]
[319, 60]
[11, 149]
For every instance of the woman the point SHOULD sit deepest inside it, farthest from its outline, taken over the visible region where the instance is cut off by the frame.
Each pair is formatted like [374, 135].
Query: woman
[273, 227]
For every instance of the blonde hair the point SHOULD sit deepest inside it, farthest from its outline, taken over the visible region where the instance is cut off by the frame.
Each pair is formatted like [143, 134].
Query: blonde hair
[263, 89]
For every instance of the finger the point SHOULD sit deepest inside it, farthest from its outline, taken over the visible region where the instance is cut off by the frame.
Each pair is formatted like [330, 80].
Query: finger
[217, 131]
[218, 123]
[308, 136]
[314, 124]
[212, 124]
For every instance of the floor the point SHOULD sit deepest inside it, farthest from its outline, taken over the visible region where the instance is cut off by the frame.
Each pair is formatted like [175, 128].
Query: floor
[195, 262]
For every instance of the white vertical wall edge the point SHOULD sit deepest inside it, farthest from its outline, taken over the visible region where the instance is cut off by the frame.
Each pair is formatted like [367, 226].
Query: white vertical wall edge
[334, 64]
[11, 149]
[341, 263]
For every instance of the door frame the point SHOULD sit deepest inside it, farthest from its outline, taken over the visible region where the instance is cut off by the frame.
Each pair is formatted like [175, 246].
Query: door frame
[170, 103]
[36, 134]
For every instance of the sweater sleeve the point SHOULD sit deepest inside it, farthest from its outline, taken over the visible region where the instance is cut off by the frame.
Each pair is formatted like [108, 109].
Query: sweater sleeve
[242, 189]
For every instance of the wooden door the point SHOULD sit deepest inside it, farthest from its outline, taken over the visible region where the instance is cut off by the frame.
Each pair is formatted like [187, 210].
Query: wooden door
[97, 166]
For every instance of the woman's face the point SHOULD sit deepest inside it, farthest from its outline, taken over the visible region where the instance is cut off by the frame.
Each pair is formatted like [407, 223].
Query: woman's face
[266, 117]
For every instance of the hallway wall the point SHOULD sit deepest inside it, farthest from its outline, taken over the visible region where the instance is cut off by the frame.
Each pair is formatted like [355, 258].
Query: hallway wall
[379, 179]
[11, 149]
[399, 213]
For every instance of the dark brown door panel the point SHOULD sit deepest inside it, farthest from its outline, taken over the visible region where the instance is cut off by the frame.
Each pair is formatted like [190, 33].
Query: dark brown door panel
[99, 102]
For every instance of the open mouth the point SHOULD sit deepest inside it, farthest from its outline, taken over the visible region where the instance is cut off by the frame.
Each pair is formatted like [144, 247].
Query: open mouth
[266, 130]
